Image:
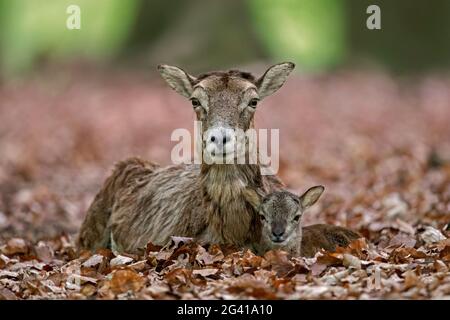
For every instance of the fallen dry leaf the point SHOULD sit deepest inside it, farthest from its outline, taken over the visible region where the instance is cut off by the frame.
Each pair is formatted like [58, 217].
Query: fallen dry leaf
[125, 280]
[15, 246]
[431, 235]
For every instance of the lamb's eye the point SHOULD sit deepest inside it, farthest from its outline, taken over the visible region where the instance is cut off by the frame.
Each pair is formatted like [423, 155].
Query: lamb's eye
[297, 218]
[195, 103]
[262, 217]
[253, 103]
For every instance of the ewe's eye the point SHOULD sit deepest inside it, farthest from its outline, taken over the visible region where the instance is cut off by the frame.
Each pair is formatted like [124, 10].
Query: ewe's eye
[195, 103]
[262, 217]
[253, 103]
[297, 218]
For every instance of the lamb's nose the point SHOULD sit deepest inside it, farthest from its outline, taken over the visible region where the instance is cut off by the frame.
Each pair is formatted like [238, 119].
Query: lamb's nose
[277, 233]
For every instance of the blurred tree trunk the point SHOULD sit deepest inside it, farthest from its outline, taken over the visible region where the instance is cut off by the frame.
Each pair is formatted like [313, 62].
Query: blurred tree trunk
[202, 35]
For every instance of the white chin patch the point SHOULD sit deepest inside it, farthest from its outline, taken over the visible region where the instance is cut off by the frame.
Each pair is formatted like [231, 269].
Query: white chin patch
[217, 154]
[219, 158]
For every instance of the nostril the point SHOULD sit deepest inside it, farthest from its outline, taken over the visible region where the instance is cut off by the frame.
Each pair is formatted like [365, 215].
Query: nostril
[213, 139]
[277, 233]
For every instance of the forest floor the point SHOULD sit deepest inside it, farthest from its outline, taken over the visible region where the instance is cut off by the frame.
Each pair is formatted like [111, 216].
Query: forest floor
[380, 145]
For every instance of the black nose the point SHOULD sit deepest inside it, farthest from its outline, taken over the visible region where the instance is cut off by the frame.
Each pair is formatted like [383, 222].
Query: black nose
[277, 233]
[225, 139]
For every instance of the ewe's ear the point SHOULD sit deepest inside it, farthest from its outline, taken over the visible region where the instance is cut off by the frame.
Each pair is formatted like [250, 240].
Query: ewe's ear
[311, 196]
[178, 79]
[273, 78]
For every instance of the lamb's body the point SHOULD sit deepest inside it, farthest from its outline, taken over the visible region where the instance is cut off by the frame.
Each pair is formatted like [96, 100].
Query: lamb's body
[325, 236]
[283, 229]
[311, 239]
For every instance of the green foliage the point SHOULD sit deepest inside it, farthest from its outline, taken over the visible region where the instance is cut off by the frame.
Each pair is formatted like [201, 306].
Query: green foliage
[33, 29]
[309, 32]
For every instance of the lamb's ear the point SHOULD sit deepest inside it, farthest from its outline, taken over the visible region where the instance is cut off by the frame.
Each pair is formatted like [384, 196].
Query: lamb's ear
[273, 78]
[178, 79]
[252, 197]
[311, 196]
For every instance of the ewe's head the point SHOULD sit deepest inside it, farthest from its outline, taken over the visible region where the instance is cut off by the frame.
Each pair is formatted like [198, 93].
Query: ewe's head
[225, 101]
[281, 214]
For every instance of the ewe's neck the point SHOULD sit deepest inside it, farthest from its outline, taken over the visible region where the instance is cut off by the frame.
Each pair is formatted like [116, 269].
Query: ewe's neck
[225, 182]
[231, 219]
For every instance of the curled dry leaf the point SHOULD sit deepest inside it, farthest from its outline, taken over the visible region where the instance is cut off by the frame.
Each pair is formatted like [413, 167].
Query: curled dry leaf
[279, 262]
[44, 252]
[205, 272]
[15, 246]
[402, 240]
[351, 261]
[431, 235]
[411, 279]
[6, 294]
[95, 261]
[126, 280]
[120, 260]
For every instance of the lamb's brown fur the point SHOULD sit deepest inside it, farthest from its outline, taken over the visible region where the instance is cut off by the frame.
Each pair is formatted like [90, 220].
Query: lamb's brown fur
[141, 202]
[325, 236]
[279, 209]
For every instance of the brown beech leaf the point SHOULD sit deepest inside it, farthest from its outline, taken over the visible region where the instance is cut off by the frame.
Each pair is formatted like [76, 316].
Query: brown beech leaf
[329, 258]
[249, 286]
[120, 260]
[44, 252]
[152, 248]
[205, 272]
[445, 254]
[94, 261]
[278, 261]
[6, 294]
[249, 259]
[210, 256]
[317, 268]
[356, 248]
[431, 235]
[3, 261]
[182, 276]
[126, 280]
[411, 279]
[15, 246]
[351, 261]
[402, 239]
[440, 266]
[88, 290]
[404, 255]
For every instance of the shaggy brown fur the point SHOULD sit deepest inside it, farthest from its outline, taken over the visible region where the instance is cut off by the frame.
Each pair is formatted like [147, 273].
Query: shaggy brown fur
[325, 236]
[141, 203]
[127, 177]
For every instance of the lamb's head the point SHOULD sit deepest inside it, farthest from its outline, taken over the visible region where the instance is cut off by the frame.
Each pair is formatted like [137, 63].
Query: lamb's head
[281, 214]
[225, 101]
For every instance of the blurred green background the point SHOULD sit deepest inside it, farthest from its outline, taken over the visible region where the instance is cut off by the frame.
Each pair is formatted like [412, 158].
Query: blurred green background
[318, 35]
